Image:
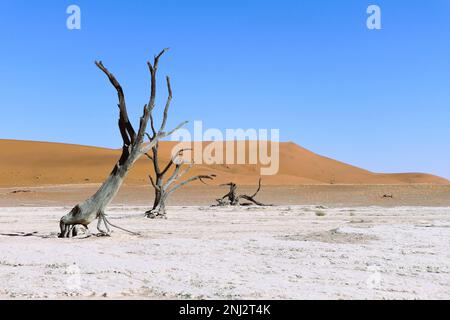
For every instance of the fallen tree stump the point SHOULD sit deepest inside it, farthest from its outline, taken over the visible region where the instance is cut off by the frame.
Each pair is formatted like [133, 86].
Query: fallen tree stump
[232, 199]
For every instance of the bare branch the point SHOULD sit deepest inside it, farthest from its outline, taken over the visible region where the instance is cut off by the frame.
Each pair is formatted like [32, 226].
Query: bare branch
[166, 108]
[227, 184]
[176, 174]
[199, 177]
[172, 161]
[161, 135]
[151, 104]
[146, 148]
[125, 126]
[153, 183]
[259, 188]
[248, 198]
[149, 156]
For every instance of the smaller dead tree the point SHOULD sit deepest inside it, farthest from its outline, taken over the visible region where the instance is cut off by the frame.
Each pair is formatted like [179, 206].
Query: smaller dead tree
[164, 188]
[232, 199]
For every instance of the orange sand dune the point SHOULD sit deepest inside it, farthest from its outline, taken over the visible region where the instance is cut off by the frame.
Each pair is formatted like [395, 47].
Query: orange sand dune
[28, 163]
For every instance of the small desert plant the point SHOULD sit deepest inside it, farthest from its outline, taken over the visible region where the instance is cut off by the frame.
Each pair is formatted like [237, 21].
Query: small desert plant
[320, 213]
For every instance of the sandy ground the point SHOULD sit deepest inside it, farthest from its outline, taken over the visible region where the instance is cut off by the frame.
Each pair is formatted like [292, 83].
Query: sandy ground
[289, 252]
[329, 195]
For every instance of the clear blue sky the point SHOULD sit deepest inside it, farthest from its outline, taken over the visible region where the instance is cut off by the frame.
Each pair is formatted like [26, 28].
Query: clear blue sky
[376, 99]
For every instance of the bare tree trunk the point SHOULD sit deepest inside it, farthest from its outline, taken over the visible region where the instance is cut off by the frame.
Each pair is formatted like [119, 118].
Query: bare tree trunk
[159, 206]
[133, 147]
[94, 207]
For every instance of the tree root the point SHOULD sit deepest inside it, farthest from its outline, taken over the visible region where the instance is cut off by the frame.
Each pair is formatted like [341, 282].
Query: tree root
[73, 231]
[77, 230]
[120, 228]
[156, 214]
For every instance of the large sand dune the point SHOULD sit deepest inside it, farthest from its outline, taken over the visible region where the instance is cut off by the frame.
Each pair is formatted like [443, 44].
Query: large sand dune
[28, 163]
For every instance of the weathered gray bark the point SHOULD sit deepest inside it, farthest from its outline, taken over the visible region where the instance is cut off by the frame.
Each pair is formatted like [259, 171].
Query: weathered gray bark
[133, 147]
[163, 189]
[232, 199]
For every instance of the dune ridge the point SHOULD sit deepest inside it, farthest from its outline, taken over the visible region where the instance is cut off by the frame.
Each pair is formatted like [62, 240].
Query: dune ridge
[30, 163]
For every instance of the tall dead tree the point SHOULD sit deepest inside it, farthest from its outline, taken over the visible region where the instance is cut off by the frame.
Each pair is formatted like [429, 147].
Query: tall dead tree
[232, 199]
[133, 147]
[164, 188]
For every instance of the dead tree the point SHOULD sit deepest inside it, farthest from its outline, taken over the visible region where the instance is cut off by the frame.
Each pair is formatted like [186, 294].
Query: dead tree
[133, 147]
[232, 199]
[164, 188]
